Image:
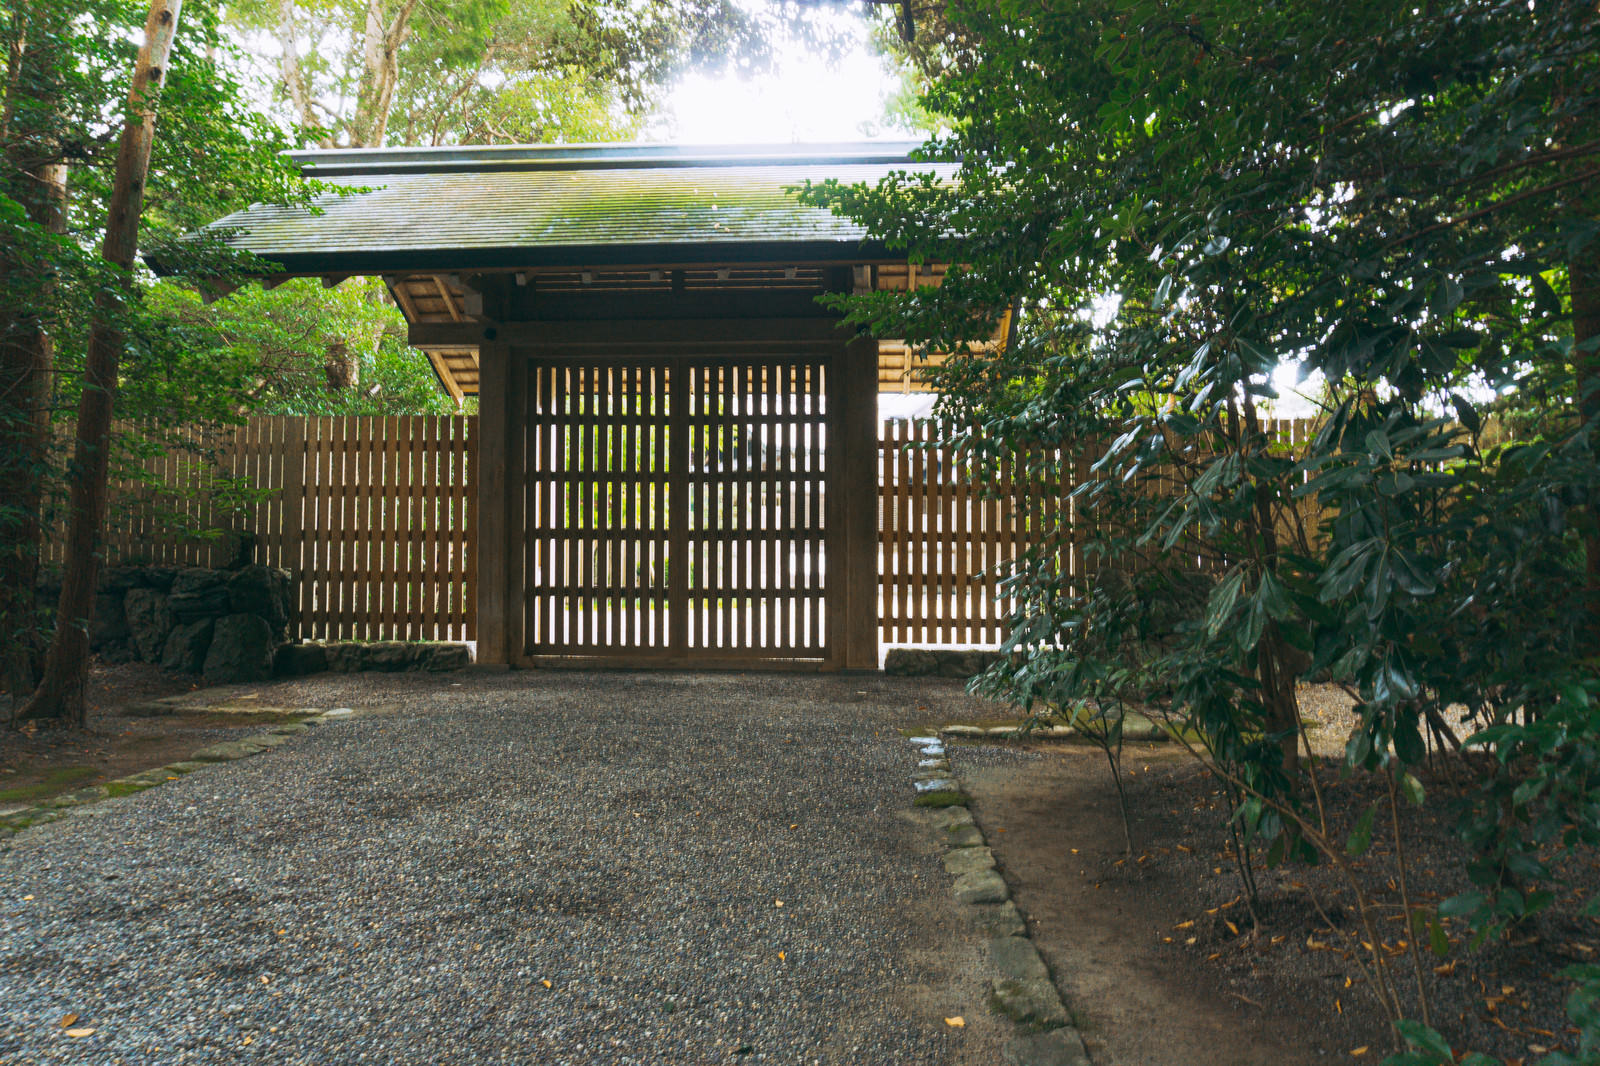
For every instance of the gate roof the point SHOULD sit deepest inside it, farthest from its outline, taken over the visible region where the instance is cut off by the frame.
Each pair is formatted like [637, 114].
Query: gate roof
[491, 207]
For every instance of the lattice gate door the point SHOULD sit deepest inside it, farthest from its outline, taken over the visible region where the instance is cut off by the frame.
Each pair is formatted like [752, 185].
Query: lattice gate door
[676, 508]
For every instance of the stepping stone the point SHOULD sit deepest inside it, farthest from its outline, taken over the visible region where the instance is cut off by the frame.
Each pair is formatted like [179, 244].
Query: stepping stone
[937, 784]
[924, 740]
[963, 730]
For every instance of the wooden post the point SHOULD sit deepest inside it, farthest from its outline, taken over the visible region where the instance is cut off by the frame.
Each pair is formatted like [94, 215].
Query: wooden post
[490, 544]
[855, 392]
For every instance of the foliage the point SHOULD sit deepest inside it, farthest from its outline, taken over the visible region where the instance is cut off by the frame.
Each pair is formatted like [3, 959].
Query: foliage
[271, 346]
[490, 71]
[1176, 203]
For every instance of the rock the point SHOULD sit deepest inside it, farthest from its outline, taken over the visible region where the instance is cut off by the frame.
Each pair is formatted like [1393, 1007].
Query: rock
[298, 660]
[118, 652]
[289, 729]
[998, 919]
[241, 650]
[963, 836]
[346, 658]
[264, 591]
[149, 623]
[198, 594]
[121, 578]
[110, 625]
[959, 861]
[184, 766]
[1057, 1047]
[1029, 1002]
[1017, 958]
[187, 646]
[443, 657]
[982, 886]
[388, 656]
[963, 730]
[951, 817]
[228, 751]
[909, 662]
[92, 794]
[937, 784]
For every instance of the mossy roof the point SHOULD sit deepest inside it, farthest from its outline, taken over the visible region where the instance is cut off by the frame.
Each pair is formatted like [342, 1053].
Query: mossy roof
[462, 208]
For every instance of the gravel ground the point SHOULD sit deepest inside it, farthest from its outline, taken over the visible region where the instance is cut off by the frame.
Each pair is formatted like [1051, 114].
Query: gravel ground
[525, 867]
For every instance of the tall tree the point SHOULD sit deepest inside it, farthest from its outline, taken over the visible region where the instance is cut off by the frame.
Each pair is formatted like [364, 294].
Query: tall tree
[61, 690]
[480, 71]
[33, 177]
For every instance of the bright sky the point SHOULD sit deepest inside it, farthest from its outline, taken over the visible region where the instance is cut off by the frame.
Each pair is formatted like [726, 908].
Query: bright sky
[804, 99]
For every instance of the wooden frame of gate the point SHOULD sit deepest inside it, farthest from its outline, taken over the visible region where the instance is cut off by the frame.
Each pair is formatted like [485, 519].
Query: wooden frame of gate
[677, 493]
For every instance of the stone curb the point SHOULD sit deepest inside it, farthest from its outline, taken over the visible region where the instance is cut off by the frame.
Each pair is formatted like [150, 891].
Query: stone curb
[1023, 990]
[57, 807]
[1134, 727]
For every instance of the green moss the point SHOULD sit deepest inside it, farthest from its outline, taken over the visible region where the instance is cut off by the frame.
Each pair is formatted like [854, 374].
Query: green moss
[58, 780]
[941, 799]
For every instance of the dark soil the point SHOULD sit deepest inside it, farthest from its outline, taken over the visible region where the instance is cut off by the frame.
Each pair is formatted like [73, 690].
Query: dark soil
[38, 761]
[1164, 962]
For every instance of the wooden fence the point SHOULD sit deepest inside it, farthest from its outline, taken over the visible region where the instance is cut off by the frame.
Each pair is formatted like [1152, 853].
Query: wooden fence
[373, 515]
[944, 539]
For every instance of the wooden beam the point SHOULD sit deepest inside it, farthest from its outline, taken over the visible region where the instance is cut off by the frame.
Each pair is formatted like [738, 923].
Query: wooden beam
[333, 281]
[449, 297]
[854, 395]
[446, 378]
[491, 542]
[688, 332]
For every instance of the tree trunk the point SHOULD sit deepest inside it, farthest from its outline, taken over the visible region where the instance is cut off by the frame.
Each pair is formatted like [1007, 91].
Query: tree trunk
[1584, 274]
[27, 365]
[35, 179]
[61, 694]
[380, 70]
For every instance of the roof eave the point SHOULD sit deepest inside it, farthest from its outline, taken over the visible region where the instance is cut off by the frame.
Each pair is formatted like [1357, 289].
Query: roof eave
[466, 260]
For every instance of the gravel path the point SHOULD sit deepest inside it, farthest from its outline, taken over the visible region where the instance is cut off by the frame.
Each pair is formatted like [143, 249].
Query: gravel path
[526, 867]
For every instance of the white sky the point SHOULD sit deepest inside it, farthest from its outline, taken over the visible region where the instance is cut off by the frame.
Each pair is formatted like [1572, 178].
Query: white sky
[804, 99]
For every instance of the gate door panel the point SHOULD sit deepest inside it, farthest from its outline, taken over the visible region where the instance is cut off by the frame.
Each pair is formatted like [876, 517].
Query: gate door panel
[675, 507]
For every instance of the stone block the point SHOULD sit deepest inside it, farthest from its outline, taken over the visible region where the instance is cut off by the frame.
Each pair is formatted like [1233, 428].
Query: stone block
[187, 646]
[960, 861]
[241, 650]
[1057, 1047]
[445, 657]
[1017, 958]
[197, 594]
[1029, 1002]
[150, 622]
[982, 886]
[264, 591]
[110, 625]
[298, 660]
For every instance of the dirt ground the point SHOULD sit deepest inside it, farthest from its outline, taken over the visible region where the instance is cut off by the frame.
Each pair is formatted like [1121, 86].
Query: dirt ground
[37, 762]
[1160, 958]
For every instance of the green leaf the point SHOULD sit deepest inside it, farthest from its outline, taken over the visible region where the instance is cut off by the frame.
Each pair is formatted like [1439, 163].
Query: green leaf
[1360, 838]
[1412, 789]
[1219, 609]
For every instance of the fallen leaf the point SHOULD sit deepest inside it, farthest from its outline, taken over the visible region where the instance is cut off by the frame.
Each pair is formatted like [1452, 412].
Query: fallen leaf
[958, 1022]
[1362, 1050]
[1234, 929]
[777, 902]
[1184, 925]
[782, 957]
[546, 984]
[68, 1020]
[81, 1032]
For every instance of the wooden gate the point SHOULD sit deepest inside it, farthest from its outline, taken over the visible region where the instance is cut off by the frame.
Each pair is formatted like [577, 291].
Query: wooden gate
[675, 507]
